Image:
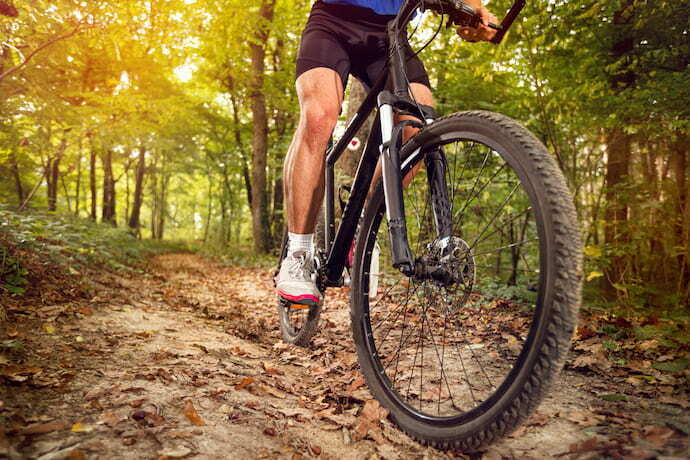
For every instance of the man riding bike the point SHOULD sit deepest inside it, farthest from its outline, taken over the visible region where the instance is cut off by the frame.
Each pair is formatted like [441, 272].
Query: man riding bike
[341, 37]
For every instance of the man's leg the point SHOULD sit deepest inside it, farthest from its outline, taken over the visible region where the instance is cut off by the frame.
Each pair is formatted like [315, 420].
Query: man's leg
[422, 94]
[320, 94]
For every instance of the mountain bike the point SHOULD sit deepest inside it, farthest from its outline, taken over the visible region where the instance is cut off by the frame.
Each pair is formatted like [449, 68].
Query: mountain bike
[466, 280]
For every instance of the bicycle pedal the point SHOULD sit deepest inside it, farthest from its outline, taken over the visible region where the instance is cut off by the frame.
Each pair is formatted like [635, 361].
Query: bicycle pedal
[298, 306]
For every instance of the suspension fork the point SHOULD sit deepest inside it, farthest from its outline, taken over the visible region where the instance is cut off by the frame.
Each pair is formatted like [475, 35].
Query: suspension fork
[392, 137]
[436, 167]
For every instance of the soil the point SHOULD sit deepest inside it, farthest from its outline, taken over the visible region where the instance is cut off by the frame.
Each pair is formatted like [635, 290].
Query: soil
[185, 360]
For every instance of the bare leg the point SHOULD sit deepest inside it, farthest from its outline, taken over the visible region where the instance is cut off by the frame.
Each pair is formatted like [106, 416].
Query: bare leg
[423, 95]
[320, 94]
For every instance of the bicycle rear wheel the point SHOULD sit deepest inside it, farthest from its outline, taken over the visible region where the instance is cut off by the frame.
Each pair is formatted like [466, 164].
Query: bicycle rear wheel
[462, 356]
[297, 323]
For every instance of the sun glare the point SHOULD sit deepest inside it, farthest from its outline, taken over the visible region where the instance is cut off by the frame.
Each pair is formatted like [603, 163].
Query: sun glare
[185, 72]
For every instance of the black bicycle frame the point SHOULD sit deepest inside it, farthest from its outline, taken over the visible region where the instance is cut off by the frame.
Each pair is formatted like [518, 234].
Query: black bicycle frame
[384, 142]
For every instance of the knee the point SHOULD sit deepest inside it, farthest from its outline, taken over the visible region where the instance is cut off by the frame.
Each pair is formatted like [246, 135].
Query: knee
[319, 119]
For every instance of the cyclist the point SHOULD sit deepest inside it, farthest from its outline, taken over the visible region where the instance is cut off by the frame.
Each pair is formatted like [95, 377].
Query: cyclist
[341, 37]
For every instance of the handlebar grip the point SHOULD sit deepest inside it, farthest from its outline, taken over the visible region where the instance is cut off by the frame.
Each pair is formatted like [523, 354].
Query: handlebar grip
[467, 15]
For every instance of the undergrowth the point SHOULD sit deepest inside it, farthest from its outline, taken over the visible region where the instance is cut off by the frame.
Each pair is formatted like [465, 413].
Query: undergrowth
[36, 246]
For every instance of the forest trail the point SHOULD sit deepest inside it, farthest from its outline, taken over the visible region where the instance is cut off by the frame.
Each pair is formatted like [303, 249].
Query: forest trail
[186, 360]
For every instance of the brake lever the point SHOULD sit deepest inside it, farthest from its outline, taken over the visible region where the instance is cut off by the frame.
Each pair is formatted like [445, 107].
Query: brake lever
[465, 15]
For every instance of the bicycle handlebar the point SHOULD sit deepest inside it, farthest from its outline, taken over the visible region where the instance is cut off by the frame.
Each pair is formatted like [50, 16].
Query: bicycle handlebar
[462, 14]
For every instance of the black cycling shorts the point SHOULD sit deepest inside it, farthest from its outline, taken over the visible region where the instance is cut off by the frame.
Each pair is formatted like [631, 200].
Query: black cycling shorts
[351, 40]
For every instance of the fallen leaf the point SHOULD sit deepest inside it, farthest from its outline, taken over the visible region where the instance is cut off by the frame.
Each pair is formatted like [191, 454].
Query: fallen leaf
[245, 382]
[148, 418]
[358, 382]
[373, 411]
[96, 393]
[19, 373]
[492, 454]
[76, 454]
[137, 402]
[180, 434]
[200, 347]
[537, 420]
[588, 445]
[179, 452]
[296, 412]
[657, 436]
[41, 428]
[274, 391]
[81, 428]
[613, 397]
[192, 414]
[684, 403]
[109, 417]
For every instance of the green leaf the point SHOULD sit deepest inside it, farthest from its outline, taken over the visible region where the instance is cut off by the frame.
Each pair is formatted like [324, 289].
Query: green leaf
[677, 365]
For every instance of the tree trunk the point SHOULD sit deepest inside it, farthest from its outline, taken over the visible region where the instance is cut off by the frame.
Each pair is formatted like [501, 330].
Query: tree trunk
[619, 154]
[616, 214]
[260, 134]
[92, 182]
[54, 174]
[77, 195]
[14, 167]
[681, 171]
[162, 207]
[134, 222]
[108, 212]
[240, 146]
[209, 205]
[277, 218]
[350, 159]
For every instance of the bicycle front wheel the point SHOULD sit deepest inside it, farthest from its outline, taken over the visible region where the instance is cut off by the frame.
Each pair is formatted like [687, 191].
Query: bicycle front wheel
[463, 353]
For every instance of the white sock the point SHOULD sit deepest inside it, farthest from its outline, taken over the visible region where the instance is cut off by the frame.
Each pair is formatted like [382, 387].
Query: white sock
[300, 242]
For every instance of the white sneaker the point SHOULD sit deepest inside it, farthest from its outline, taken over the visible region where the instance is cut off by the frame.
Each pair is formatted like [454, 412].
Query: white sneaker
[296, 282]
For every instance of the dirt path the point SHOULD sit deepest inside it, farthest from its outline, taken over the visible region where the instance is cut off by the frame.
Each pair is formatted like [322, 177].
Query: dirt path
[187, 362]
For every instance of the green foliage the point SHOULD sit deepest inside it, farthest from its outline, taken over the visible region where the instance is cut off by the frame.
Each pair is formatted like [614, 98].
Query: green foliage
[72, 242]
[677, 365]
[12, 273]
[503, 291]
[174, 78]
[11, 345]
[239, 257]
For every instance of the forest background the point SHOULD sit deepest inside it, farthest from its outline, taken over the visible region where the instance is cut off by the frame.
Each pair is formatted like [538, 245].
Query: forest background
[171, 119]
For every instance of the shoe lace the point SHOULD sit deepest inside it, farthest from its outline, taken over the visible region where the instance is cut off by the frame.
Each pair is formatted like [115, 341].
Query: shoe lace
[300, 268]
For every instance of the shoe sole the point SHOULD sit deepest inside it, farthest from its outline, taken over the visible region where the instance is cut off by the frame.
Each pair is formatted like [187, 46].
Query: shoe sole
[299, 301]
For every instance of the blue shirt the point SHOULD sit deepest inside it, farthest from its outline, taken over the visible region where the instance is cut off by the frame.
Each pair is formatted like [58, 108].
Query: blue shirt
[384, 7]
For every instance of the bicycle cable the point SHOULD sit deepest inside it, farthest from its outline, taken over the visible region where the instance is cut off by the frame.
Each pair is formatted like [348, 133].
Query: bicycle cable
[433, 37]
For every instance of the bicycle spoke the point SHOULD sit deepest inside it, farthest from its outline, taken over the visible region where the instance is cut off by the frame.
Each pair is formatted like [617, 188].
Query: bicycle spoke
[445, 349]
[506, 247]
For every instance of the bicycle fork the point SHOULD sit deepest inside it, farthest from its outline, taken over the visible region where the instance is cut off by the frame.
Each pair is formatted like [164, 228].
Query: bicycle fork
[392, 137]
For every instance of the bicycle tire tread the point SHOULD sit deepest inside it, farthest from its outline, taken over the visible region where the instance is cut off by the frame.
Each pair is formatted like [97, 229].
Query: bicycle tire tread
[567, 282]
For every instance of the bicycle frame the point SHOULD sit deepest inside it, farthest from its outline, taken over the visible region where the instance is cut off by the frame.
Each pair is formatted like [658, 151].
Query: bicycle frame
[384, 142]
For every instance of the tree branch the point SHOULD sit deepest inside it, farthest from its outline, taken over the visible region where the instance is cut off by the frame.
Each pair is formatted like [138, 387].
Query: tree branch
[28, 57]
